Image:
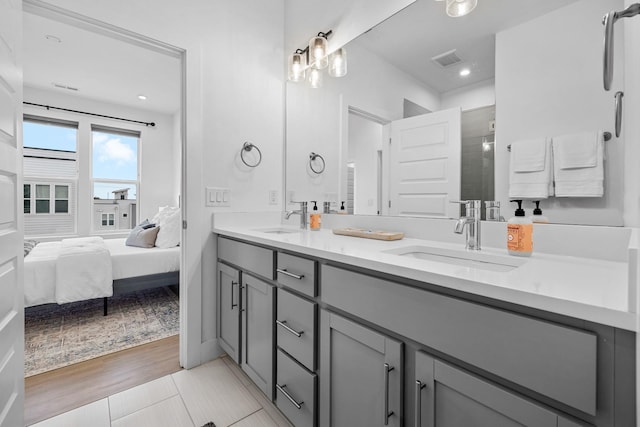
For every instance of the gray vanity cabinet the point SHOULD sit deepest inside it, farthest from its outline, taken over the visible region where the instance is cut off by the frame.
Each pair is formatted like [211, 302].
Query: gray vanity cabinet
[257, 332]
[229, 310]
[246, 308]
[446, 396]
[361, 375]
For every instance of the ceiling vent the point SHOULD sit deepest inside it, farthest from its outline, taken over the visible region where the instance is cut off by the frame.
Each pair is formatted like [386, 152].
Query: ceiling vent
[61, 86]
[447, 59]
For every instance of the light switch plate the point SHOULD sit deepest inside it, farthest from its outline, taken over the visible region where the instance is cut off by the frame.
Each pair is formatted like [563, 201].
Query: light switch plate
[217, 197]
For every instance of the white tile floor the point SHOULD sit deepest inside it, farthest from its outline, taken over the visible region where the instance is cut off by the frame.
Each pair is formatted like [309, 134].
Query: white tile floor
[217, 391]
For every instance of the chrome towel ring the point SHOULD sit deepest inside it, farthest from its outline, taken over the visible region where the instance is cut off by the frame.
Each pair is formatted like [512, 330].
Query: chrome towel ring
[247, 147]
[314, 165]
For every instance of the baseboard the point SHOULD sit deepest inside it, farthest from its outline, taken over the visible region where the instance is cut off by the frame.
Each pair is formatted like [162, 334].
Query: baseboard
[210, 350]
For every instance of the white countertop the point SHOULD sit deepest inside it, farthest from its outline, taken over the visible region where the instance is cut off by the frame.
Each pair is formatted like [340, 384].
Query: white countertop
[586, 288]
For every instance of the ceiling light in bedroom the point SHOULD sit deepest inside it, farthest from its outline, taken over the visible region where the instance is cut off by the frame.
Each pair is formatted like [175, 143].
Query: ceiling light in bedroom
[142, 97]
[456, 8]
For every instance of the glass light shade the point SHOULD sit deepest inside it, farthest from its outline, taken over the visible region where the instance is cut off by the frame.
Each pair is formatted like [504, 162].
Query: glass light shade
[318, 53]
[297, 67]
[456, 8]
[338, 63]
[315, 78]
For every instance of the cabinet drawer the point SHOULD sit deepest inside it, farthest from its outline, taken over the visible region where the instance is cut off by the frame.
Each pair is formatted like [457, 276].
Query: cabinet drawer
[297, 316]
[297, 273]
[295, 391]
[251, 258]
[550, 359]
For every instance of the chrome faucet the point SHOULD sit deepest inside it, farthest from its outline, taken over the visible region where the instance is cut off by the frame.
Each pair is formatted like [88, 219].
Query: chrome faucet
[472, 222]
[302, 212]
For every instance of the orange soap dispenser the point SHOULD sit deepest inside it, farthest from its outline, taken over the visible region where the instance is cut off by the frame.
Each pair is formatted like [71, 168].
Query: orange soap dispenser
[315, 219]
[520, 233]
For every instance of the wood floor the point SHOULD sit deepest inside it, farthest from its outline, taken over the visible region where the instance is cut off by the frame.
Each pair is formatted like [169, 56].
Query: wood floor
[52, 393]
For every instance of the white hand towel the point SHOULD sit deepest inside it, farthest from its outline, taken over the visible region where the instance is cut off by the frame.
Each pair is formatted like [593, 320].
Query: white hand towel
[579, 165]
[577, 150]
[526, 178]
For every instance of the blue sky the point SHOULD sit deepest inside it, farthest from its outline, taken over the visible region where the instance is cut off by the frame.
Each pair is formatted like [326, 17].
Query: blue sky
[113, 156]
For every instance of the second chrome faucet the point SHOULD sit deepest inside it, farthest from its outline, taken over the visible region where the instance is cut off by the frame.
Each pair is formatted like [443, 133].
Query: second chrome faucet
[471, 221]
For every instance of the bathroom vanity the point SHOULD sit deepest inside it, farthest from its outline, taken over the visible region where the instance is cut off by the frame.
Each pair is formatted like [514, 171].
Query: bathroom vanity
[341, 331]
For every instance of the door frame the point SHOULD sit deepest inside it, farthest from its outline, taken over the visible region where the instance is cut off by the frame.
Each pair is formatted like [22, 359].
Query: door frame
[189, 337]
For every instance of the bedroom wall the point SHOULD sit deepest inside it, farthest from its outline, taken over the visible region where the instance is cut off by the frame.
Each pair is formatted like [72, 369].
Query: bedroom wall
[157, 165]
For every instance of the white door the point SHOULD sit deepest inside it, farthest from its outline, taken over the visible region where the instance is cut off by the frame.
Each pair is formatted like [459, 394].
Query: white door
[424, 165]
[11, 229]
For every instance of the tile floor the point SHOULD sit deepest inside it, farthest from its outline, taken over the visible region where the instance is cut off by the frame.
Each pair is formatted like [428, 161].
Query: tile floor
[217, 391]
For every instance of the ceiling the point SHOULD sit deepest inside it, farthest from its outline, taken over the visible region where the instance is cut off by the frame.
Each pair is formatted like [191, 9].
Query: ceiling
[422, 30]
[99, 67]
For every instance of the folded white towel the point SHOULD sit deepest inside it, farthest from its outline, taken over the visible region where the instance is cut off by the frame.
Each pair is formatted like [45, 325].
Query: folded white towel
[527, 179]
[579, 165]
[529, 156]
[577, 150]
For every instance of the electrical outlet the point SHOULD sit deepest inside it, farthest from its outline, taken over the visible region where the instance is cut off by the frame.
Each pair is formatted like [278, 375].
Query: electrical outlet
[273, 197]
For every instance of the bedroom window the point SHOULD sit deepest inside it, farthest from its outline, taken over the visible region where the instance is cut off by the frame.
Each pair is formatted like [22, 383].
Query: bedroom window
[115, 178]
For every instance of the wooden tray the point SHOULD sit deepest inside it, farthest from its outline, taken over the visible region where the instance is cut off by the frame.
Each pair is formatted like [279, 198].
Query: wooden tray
[369, 234]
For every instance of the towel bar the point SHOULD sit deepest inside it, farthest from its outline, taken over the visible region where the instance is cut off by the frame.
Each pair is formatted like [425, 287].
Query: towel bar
[607, 137]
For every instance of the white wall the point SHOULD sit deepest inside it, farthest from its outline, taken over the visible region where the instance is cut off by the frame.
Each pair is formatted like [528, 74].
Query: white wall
[365, 139]
[317, 118]
[234, 92]
[469, 97]
[157, 166]
[549, 83]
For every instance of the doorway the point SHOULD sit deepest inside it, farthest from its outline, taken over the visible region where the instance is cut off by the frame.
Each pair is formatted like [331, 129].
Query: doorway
[83, 92]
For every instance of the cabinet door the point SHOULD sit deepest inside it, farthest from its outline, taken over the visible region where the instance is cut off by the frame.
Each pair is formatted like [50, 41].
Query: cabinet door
[257, 332]
[446, 396]
[361, 375]
[229, 310]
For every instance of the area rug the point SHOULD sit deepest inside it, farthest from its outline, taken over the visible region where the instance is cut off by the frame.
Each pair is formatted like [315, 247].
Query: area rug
[60, 335]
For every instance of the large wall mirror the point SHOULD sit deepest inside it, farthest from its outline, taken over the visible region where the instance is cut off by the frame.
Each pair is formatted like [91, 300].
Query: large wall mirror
[509, 70]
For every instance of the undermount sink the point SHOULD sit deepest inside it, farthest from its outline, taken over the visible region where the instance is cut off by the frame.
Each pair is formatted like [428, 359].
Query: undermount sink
[278, 230]
[473, 259]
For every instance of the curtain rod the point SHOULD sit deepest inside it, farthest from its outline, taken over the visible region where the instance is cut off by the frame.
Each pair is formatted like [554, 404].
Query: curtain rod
[49, 107]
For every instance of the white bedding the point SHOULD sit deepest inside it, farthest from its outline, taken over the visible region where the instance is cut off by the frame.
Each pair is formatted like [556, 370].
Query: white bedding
[126, 261]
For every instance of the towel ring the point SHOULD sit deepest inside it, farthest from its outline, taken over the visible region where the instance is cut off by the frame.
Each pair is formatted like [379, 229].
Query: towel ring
[248, 146]
[312, 158]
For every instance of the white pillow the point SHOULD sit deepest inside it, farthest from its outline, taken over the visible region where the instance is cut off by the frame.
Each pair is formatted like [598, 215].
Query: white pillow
[168, 220]
[163, 212]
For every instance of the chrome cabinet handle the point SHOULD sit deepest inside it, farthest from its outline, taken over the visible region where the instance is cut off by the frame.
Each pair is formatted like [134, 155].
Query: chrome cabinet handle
[232, 285]
[387, 414]
[607, 58]
[282, 390]
[618, 96]
[286, 273]
[418, 403]
[283, 323]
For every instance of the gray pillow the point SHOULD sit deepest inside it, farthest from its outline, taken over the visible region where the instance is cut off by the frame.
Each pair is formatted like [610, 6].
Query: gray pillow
[29, 245]
[143, 235]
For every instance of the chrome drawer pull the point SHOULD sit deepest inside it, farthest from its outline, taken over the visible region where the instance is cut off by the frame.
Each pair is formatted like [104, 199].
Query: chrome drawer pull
[283, 323]
[282, 390]
[387, 414]
[418, 402]
[286, 273]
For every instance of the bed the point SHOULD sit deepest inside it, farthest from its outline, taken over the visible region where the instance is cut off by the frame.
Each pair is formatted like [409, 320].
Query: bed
[80, 269]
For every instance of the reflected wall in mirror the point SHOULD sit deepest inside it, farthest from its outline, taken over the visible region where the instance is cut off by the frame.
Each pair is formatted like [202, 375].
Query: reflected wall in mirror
[535, 67]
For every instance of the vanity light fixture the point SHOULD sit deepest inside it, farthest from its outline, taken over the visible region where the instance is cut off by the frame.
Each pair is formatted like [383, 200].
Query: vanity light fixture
[307, 63]
[457, 8]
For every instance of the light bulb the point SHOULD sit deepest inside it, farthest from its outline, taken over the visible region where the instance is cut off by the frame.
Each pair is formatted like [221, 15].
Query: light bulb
[318, 52]
[338, 63]
[297, 67]
[315, 78]
[456, 8]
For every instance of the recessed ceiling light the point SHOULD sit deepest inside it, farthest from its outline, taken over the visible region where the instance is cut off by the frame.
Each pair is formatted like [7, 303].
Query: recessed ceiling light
[465, 72]
[142, 97]
[53, 38]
